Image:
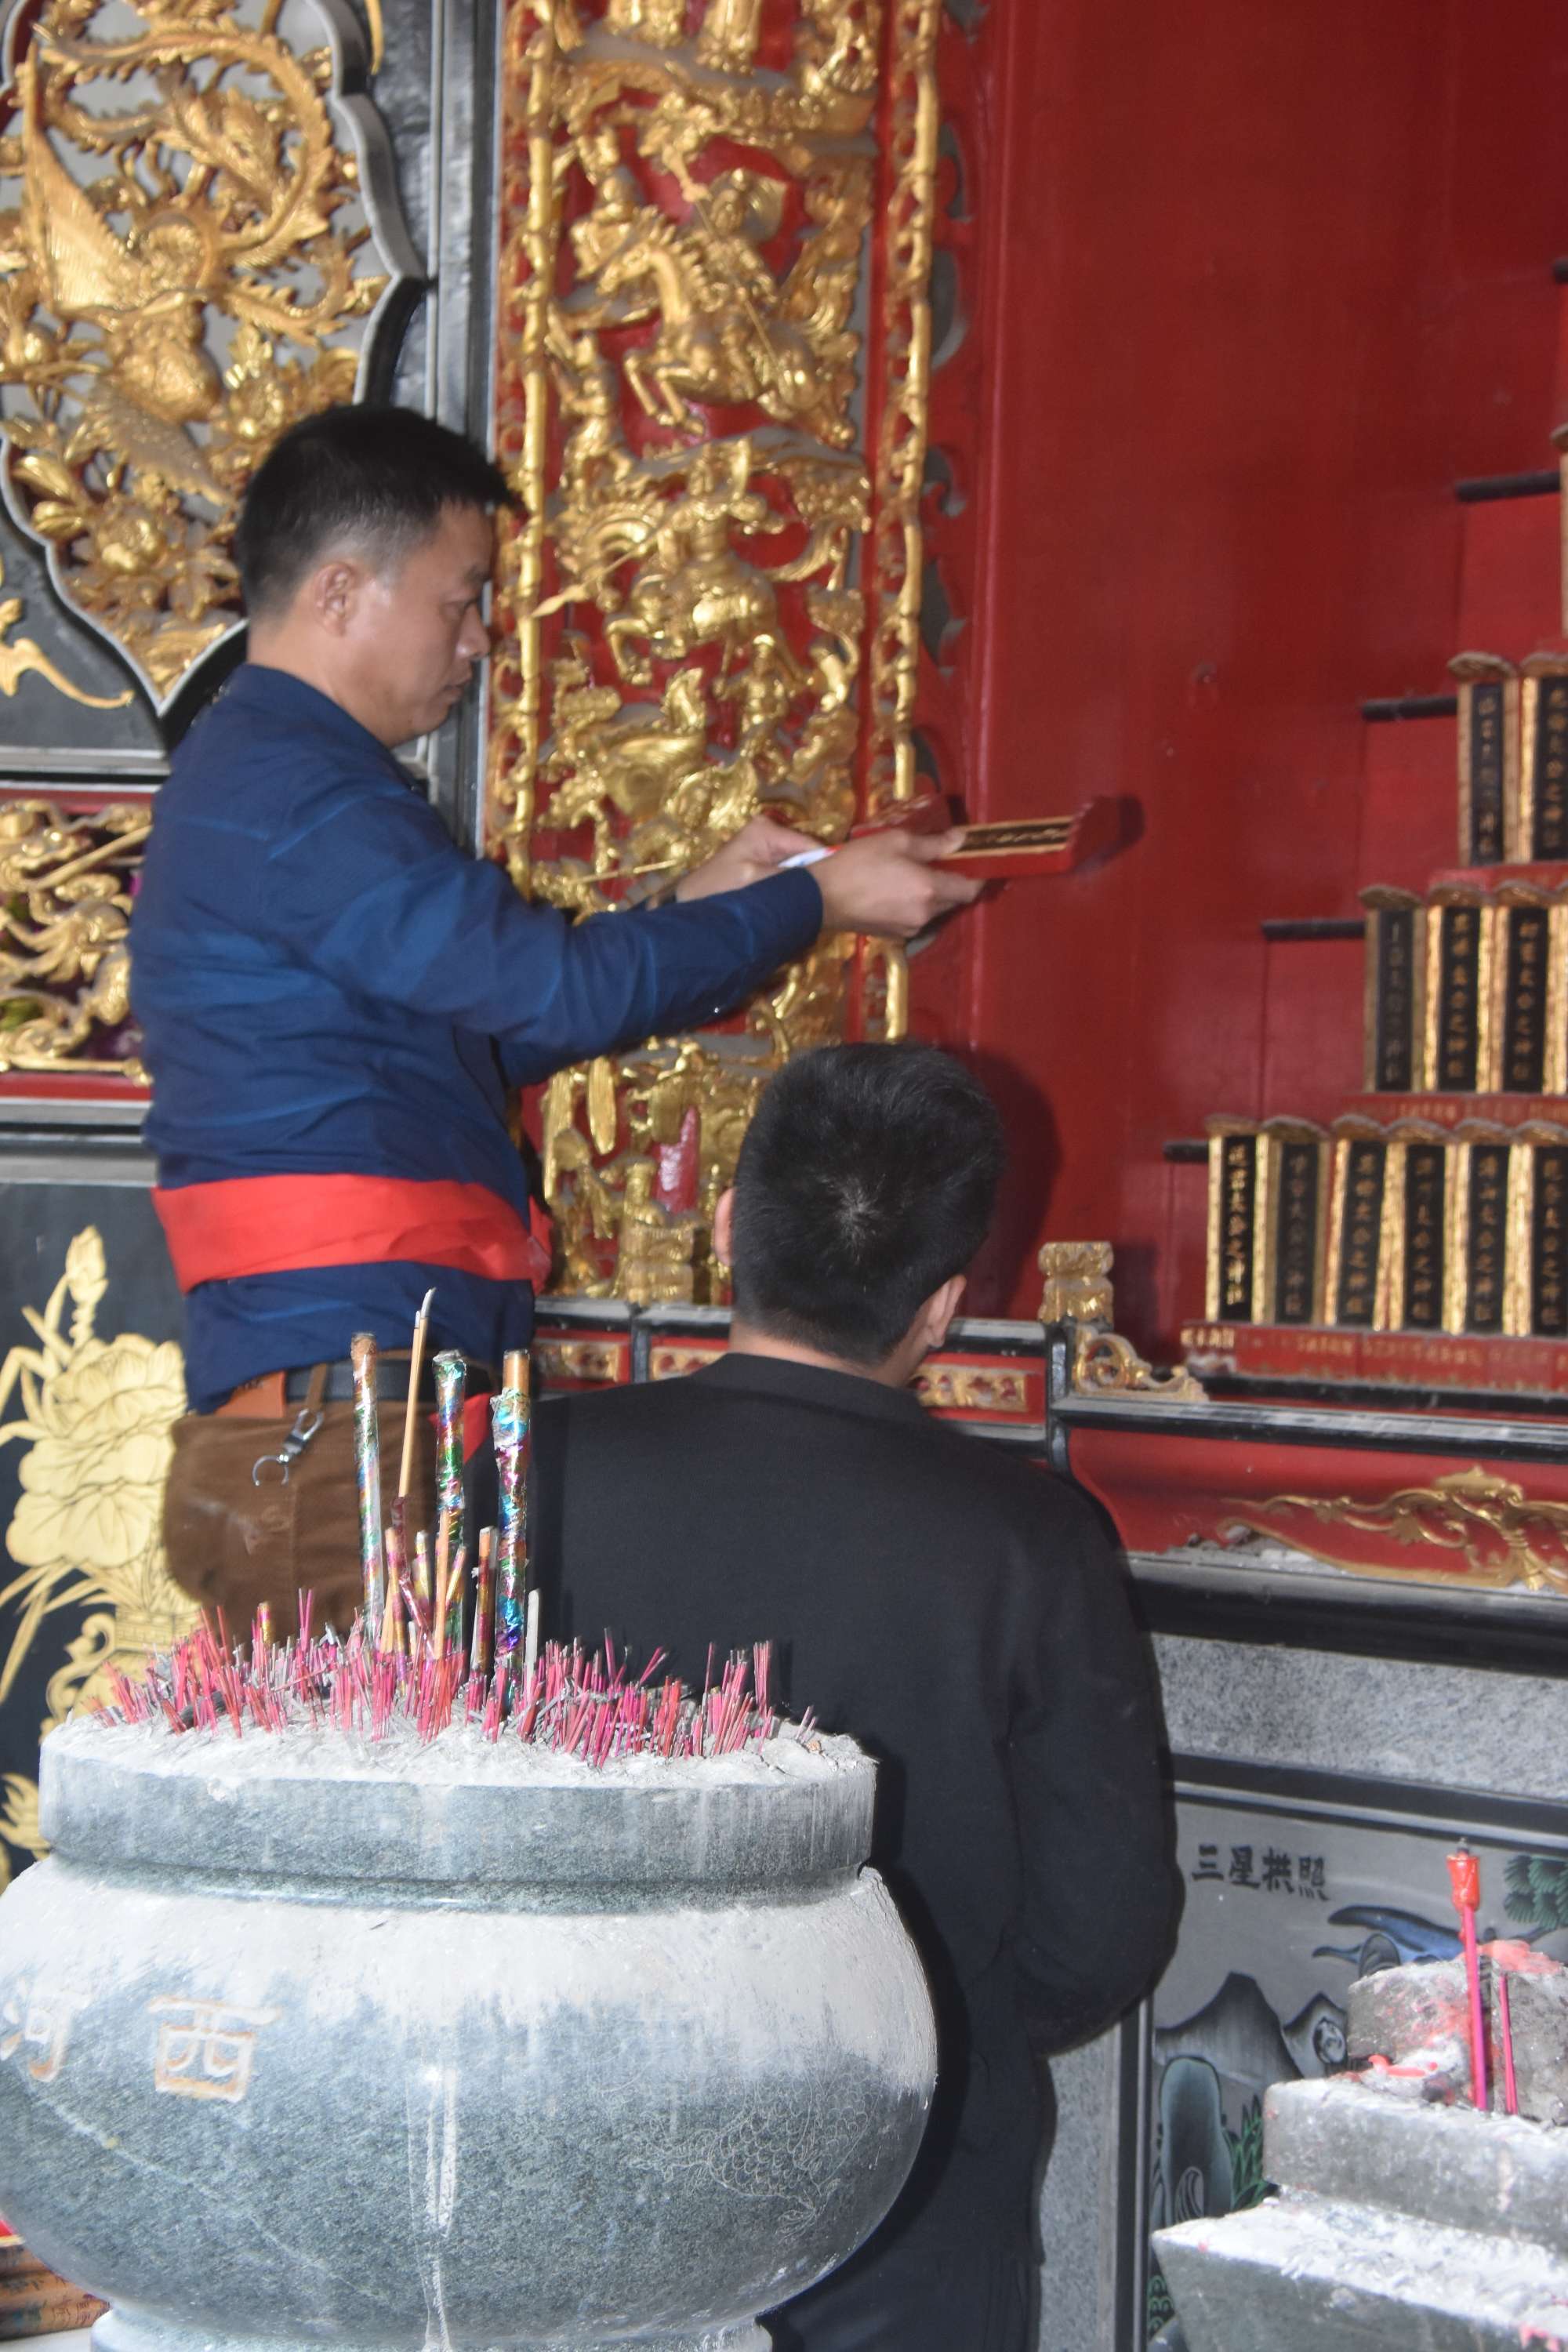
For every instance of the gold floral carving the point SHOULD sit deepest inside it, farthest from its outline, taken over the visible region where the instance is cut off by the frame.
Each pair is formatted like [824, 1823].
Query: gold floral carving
[716, 531]
[95, 1418]
[1501, 1535]
[1079, 1292]
[185, 269]
[65, 908]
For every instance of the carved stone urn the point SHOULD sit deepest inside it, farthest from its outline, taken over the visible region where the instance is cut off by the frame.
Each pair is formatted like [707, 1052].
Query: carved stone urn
[309, 2041]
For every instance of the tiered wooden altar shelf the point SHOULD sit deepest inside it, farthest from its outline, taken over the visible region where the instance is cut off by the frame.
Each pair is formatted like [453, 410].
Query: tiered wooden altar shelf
[1420, 1240]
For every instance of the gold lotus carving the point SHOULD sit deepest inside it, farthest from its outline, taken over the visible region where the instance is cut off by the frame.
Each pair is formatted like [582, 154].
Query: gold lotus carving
[715, 536]
[185, 269]
[95, 1418]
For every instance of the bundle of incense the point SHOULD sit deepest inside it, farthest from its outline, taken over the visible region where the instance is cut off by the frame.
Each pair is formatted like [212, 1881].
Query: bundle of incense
[511, 1423]
[367, 1473]
[451, 1374]
[589, 1708]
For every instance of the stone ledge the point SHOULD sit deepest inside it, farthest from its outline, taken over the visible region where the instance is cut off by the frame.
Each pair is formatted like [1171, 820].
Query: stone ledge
[1322, 2276]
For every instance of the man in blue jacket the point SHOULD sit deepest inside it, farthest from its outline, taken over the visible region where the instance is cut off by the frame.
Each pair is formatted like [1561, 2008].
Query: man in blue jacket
[335, 999]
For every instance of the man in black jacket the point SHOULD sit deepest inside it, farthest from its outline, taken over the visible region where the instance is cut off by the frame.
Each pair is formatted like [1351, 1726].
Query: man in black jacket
[958, 1610]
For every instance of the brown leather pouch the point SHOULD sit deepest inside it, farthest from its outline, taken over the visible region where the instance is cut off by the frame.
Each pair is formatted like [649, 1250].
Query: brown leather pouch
[233, 1542]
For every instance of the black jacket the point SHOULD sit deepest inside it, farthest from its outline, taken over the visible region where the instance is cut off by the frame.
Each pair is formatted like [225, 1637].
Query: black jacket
[960, 1613]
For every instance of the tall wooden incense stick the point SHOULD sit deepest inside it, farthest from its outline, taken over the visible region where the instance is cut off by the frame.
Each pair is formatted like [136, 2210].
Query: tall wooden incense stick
[416, 1363]
[367, 1475]
[481, 1648]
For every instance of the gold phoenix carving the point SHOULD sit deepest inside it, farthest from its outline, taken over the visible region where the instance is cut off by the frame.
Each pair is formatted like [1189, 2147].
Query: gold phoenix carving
[1502, 1536]
[65, 908]
[709, 599]
[185, 269]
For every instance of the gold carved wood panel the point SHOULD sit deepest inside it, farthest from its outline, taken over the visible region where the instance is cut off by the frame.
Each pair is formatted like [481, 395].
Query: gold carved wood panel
[713, 342]
[67, 871]
[189, 262]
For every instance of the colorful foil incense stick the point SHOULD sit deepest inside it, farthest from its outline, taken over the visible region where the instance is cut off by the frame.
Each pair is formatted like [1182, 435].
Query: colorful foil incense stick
[451, 1375]
[1465, 1881]
[510, 1423]
[367, 1472]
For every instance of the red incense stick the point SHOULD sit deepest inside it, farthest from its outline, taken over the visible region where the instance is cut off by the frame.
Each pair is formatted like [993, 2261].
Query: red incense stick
[1505, 2035]
[1465, 1880]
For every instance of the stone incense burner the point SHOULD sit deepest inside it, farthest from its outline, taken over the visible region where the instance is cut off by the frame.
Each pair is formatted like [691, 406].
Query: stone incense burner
[311, 2040]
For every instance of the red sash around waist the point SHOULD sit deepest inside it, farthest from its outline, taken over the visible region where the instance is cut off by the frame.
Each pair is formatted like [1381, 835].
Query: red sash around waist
[282, 1224]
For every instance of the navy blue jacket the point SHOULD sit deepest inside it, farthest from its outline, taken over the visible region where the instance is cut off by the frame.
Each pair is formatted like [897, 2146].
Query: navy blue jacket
[326, 983]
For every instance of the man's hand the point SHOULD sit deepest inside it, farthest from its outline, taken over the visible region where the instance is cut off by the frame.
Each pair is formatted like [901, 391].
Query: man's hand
[759, 849]
[887, 883]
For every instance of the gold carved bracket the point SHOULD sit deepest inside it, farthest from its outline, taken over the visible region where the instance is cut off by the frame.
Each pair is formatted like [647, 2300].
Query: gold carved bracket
[1077, 1293]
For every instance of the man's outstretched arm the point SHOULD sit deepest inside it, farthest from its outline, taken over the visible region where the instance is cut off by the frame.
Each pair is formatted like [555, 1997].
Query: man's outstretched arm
[371, 890]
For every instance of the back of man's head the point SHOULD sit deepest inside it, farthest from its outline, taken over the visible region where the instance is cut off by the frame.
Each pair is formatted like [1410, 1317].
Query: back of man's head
[370, 481]
[866, 1180]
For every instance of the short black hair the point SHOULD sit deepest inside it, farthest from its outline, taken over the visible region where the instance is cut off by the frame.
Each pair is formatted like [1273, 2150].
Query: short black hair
[378, 479]
[867, 1179]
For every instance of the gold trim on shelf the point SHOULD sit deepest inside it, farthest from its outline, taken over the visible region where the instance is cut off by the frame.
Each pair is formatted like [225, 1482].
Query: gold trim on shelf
[1333, 1254]
[1262, 1228]
[1555, 1075]
[1516, 1305]
[1455, 1236]
[1471, 670]
[1503, 1537]
[1388, 1311]
[1212, 1270]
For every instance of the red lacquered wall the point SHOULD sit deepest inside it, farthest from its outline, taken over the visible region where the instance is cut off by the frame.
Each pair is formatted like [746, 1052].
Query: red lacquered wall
[1245, 288]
